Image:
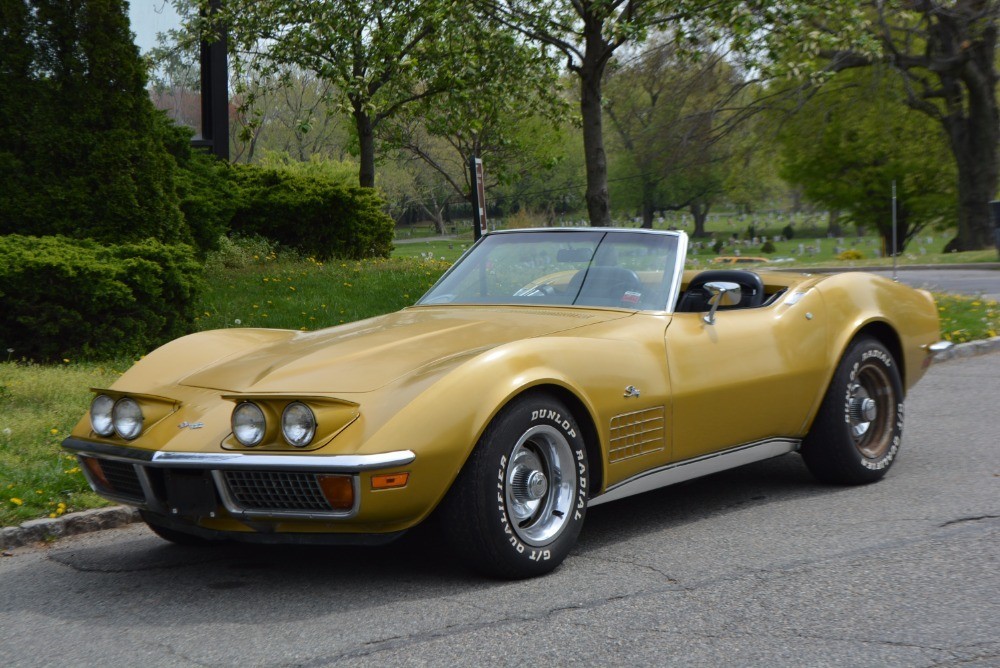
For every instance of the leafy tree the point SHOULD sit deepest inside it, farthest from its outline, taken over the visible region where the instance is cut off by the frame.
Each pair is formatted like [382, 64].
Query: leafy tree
[80, 151]
[380, 56]
[508, 119]
[848, 144]
[672, 120]
[589, 33]
[944, 52]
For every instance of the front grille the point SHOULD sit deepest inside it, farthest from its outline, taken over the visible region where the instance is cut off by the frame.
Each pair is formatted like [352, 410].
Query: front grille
[276, 490]
[123, 479]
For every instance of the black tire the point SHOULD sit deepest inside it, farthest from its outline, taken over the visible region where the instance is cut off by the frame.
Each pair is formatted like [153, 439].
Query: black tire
[518, 504]
[856, 435]
[172, 535]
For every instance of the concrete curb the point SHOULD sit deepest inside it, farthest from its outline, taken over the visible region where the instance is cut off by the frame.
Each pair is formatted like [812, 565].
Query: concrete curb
[970, 349]
[72, 524]
[99, 519]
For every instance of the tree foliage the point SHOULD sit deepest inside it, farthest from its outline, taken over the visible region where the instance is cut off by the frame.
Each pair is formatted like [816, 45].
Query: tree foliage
[851, 140]
[508, 118]
[589, 33]
[673, 120]
[943, 51]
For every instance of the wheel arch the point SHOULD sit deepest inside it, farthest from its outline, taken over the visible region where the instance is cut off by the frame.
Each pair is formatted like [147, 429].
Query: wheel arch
[885, 334]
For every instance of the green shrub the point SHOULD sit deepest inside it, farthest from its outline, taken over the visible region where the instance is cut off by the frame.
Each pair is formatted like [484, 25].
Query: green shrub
[66, 298]
[851, 254]
[316, 216]
[79, 151]
[768, 247]
[238, 252]
[204, 188]
[788, 232]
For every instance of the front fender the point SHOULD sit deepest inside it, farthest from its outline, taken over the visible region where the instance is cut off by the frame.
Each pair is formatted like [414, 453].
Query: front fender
[443, 423]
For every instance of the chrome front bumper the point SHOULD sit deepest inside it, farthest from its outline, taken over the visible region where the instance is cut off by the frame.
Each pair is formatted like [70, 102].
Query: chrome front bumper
[140, 477]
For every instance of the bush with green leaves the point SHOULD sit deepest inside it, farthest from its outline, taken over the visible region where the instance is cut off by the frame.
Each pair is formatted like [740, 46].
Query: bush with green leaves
[204, 187]
[319, 217]
[71, 298]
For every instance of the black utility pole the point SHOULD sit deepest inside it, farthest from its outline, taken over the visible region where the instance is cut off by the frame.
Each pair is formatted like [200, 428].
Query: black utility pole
[215, 91]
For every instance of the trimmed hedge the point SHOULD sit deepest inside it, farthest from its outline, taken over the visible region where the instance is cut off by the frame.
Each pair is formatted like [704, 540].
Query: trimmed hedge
[319, 217]
[71, 298]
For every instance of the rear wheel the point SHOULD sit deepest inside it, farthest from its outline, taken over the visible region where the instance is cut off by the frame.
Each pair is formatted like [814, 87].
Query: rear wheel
[518, 505]
[856, 435]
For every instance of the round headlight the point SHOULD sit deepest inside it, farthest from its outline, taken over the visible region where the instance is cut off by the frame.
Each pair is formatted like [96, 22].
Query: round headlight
[248, 424]
[298, 424]
[127, 418]
[100, 415]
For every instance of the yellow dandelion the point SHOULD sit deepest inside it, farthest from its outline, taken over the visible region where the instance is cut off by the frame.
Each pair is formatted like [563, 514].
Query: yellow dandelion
[53, 431]
[53, 515]
[16, 501]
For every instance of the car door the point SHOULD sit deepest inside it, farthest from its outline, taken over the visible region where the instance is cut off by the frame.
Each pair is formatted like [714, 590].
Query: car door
[754, 374]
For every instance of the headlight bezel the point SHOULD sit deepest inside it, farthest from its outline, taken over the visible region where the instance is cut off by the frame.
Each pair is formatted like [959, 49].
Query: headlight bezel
[307, 423]
[257, 415]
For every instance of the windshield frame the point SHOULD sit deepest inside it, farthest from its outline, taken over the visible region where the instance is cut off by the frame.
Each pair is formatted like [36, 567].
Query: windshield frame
[671, 296]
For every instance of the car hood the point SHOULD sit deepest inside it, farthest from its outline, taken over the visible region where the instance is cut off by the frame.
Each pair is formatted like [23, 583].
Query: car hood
[367, 355]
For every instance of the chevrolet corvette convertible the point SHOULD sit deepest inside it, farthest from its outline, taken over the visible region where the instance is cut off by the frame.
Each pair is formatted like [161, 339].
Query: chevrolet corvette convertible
[546, 372]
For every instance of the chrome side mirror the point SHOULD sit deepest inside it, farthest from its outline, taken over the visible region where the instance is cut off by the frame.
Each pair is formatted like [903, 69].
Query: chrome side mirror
[723, 294]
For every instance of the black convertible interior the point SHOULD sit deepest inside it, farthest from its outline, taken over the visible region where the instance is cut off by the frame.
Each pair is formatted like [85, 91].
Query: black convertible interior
[694, 299]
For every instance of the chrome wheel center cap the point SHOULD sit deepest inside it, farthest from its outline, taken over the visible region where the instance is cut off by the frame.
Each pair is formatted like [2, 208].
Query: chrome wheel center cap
[863, 409]
[537, 485]
[528, 484]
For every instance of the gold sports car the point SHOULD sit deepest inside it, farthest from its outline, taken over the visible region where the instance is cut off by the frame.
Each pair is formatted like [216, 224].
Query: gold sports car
[546, 372]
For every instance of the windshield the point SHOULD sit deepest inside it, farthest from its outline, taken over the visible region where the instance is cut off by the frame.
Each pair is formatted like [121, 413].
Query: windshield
[631, 270]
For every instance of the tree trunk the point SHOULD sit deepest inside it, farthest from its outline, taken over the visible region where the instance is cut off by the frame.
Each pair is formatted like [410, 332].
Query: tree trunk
[366, 144]
[647, 204]
[974, 143]
[963, 48]
[699, 211]
[591, 72]
[833, 223]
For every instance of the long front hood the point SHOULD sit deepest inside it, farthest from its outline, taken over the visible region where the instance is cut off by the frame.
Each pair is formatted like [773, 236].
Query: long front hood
[367, 355]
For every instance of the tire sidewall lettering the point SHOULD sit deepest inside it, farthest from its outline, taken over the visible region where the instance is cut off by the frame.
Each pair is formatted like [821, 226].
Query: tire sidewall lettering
[890, 455]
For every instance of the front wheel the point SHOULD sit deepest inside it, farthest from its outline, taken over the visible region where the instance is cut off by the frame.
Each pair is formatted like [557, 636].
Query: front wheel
[856, 434]
[518, 504]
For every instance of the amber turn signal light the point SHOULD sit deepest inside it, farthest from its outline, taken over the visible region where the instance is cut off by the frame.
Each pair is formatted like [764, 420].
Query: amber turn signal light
[338, 490]
[390, 480]
[96, 472]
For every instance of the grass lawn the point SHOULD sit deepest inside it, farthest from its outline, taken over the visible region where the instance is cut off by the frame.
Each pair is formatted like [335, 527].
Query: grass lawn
[39, 405]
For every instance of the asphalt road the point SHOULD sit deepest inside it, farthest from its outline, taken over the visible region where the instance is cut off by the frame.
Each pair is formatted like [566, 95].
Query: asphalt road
[975, 282]
[755, 567]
